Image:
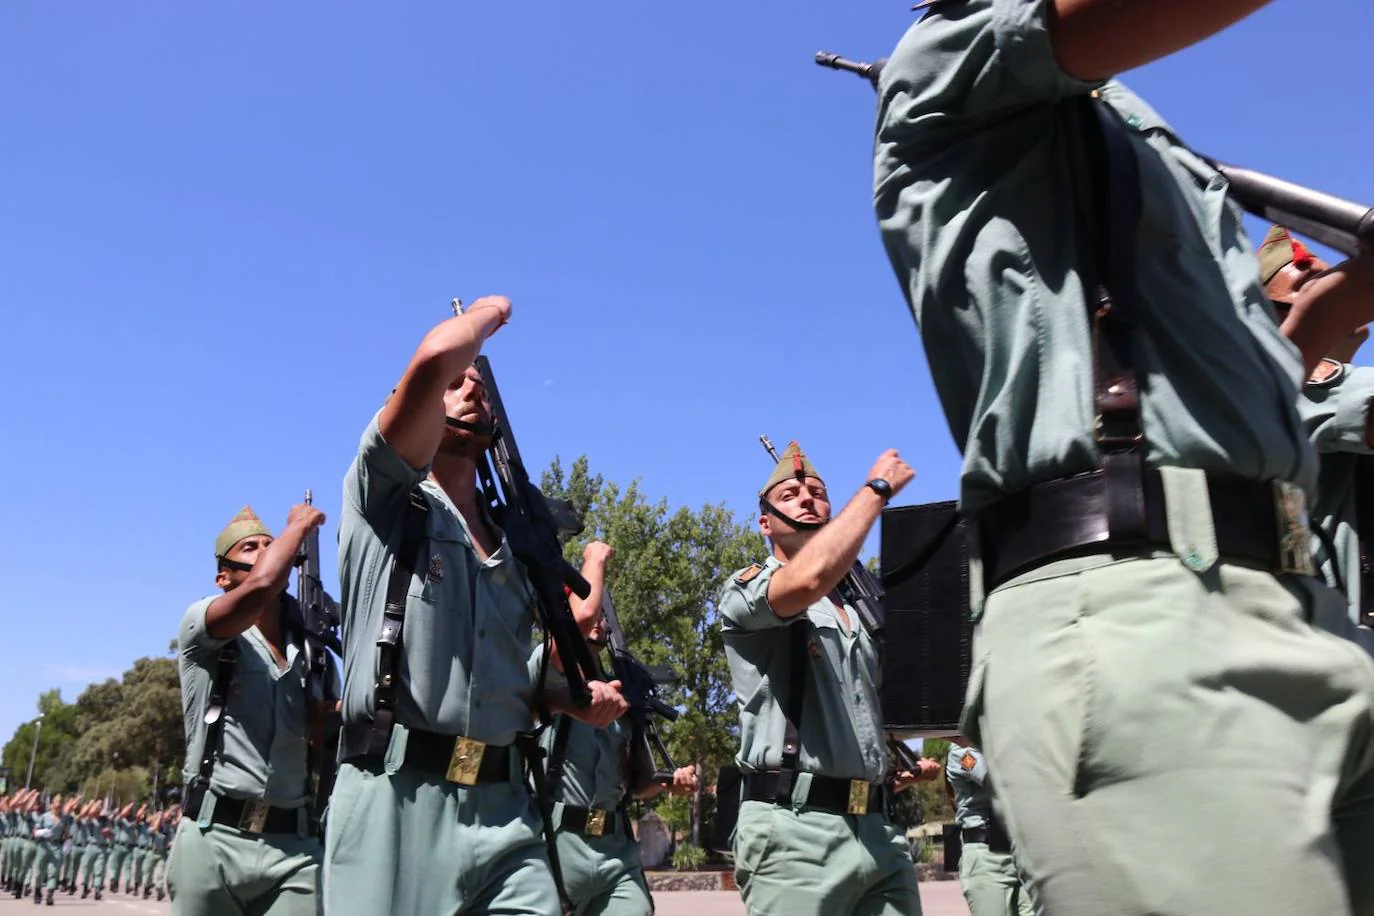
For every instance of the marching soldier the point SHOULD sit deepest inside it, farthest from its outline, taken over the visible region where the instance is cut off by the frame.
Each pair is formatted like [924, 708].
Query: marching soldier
[1335, 409]
[98, 834]
[72, 849]
[1135, 474]
[814, 835]
[154, 865]
[445, 782]
[988, 873]
[121, 844]
[48, 831]
[28, 807]
[138, 850]
[597, 851]
[246, 839]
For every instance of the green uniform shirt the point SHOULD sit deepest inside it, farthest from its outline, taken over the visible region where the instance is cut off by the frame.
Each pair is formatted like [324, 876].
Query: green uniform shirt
[1336, 415]
[841, 723]
[468, 622]
[262, 753]
[978, 155]
[142, 838]
[47, 828]
[158, 841]
[593, 758]
[967, 773]
[76, 829]
[98, 835]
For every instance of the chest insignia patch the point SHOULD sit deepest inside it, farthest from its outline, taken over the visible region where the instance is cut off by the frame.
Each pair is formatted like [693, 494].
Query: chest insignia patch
[968, 761]
[815, 646]
[436, 568]
[748, 574]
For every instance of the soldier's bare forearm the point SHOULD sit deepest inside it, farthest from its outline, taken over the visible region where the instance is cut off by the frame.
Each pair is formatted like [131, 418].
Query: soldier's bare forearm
[1097, 39]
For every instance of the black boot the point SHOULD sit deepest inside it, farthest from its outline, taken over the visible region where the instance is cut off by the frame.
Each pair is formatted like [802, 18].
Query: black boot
[49, 896]
[147, 892]
[160, 894]
[98, 893]
[85, 891]
[38, 895]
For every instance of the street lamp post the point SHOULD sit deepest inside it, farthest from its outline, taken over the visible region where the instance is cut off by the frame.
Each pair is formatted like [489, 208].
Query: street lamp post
[34, 753]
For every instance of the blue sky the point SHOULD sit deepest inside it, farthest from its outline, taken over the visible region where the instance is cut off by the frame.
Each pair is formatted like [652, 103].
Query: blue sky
[227, 226]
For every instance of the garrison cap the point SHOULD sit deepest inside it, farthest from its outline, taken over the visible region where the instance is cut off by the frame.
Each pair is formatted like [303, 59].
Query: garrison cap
[244, 525]
[1278, 250]
[793, 464]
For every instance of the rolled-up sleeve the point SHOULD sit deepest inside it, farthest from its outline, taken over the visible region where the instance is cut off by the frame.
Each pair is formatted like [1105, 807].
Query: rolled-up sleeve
[194, 640]
[378, 477]
[744, 600]
[1337, 415]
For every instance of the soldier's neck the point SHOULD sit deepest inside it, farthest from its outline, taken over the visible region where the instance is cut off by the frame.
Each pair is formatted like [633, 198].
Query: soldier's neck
[456, 475]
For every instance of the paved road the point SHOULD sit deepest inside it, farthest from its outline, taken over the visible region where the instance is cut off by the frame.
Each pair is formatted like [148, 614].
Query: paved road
[938, 898]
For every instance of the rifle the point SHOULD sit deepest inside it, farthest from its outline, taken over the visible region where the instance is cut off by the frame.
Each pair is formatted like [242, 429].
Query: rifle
[531, 528]
[319, 620]
[638, 686]
[861, 590]
[1340, 224]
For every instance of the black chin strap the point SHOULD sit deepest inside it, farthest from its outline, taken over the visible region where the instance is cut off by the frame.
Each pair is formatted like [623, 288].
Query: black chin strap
[800, 526]
[478, 428]
[235, 565]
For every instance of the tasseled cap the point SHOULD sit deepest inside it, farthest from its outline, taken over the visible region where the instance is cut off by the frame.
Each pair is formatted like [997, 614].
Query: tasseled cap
[244, 525]
[793, 464]
[1280, 249]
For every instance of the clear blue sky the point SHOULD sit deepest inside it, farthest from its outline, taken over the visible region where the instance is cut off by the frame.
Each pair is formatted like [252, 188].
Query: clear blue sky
[227, 225]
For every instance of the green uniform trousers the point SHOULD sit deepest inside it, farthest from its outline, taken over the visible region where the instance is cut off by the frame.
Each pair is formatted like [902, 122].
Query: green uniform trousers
[48, 865]
[93, 872]
[1169, 741]
[814, 863]
[991, 884]
[386, 832]
[603, 875]
[219, 870]
[133, 869]
[69, 864]
[154, 870]
[118, 853]
[23, 861]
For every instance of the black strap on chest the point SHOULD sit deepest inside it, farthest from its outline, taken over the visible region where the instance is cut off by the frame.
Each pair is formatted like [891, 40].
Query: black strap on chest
[798, 632]
[414, 528]
[1113, 302]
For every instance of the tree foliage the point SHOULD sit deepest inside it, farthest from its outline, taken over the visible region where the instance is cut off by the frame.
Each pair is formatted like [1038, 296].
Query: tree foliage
[665, 577]
[118, 737]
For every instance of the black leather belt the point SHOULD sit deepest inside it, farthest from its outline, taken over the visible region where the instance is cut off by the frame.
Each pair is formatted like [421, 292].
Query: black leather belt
[992, 835]
[458, 759]
[838, 796]
[250, 814]
[1068, 517]
[591, 822]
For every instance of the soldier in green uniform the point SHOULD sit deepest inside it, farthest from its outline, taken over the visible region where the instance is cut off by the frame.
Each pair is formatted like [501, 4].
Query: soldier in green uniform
[1335, 409]
[154, 864]
[6, 838]
[814, 835]
[121, 844]
[246, 841]
[445, 782]
[988, 874]
[96, 833]
[71, 850]
[597, 851]
[49, 830]
[28, 807]
[138, 850]
[1134, 481]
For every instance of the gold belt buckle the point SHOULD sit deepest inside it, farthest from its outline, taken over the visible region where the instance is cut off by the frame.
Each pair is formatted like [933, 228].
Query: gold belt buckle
[1294, 530]
[254, 816]
[858, 796]
[466, 761]
[596, 822]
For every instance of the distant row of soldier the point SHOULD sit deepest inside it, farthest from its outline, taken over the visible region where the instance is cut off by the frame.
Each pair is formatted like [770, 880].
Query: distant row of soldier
[79, 843]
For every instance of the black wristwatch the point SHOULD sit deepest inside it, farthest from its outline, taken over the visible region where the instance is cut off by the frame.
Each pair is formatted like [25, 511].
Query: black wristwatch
[881, 487]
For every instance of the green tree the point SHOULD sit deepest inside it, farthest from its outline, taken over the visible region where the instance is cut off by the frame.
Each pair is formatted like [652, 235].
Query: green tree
[665, 577]
[56, 737]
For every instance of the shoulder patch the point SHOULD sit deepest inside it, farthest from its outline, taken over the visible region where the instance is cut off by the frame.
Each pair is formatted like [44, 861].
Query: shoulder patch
[968, 761]
[748, 574]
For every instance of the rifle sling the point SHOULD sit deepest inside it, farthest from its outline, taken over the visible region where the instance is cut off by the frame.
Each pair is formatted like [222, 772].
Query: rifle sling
[414, 527]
